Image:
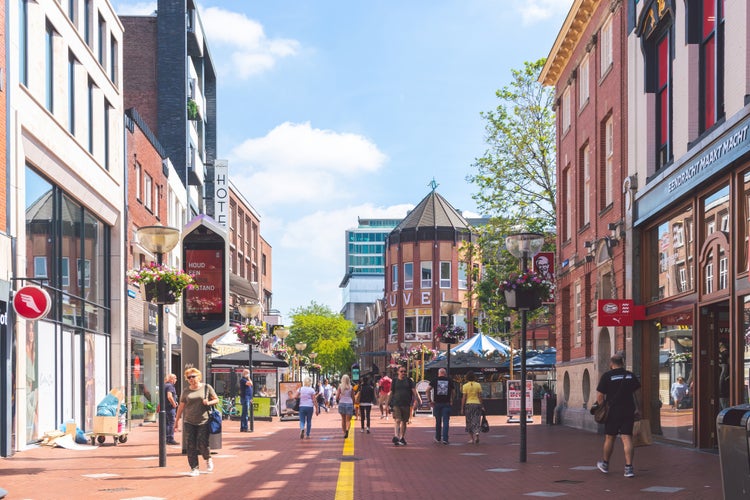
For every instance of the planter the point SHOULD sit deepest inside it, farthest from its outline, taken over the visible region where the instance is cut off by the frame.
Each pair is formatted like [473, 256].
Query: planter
[159, 293]
[523, 299]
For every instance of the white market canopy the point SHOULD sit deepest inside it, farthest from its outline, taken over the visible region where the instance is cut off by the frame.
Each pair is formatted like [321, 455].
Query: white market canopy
[482, 345]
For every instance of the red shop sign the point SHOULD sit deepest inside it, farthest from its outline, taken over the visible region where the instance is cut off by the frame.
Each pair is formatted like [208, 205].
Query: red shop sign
[615, 312]
[31, 302]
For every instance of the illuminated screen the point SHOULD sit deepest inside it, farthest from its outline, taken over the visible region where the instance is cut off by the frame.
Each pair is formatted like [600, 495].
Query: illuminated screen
[207, 268]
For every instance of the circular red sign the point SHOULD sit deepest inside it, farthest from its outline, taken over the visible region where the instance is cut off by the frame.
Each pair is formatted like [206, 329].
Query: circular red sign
[31, 302]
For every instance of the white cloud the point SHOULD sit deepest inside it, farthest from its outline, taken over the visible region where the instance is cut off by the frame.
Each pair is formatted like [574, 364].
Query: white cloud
[310, 164]
[251, 51]
[533, 11]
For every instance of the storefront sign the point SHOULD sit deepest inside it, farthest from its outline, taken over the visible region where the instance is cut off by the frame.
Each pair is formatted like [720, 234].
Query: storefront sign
[711, 160]
[221, 191]
[31, 302]
[615, 312]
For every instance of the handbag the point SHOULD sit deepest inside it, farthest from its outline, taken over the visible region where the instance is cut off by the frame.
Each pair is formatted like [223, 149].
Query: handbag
[296, 404]
[485, 425]
[214, 416]
[642, 433]
[600, 412]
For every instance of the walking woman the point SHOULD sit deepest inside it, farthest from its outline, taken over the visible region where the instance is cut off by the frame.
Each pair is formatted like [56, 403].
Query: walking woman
[194, 403]
[471, 406]
[345, 398]
[366, 397]
[307, 404]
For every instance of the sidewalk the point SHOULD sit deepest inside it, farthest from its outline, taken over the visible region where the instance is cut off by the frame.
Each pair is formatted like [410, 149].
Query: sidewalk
[273, 462]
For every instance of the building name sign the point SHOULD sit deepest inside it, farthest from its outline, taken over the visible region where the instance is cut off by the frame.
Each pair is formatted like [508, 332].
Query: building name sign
[709, 158]
[221, 194]
[425, 298]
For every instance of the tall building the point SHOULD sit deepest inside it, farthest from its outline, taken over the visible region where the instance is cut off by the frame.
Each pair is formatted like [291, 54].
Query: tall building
[170, 79]
[425, 269]
[364, 280]
[6, 340]
[587, 66]
[688, 124]
[65, 163]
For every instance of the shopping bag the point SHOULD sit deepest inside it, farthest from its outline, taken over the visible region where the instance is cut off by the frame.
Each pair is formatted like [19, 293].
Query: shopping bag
[214, 421]
[642, 433]
[485, 425]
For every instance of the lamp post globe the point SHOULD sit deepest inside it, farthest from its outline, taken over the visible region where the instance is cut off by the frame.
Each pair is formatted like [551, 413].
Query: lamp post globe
[160, 240]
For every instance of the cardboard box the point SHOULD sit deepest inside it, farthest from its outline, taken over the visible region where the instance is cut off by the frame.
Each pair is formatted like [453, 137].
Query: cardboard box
[105, 425]
[70, 428]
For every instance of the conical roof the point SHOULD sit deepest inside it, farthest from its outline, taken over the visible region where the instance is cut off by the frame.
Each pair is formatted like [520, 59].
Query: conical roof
[432, 219]
[433, 211]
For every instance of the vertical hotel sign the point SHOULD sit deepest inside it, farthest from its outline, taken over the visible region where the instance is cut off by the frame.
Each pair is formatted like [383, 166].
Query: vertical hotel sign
[221, 192]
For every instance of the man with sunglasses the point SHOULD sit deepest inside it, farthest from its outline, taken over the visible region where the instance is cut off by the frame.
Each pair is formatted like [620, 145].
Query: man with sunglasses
[402, 398]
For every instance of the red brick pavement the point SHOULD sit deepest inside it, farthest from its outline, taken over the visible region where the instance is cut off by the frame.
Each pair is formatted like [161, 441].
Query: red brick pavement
[273, 462]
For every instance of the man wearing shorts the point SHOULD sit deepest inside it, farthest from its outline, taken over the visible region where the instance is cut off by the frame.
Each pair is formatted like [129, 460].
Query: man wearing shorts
[402, 397]
[384, 389]
[619, 387]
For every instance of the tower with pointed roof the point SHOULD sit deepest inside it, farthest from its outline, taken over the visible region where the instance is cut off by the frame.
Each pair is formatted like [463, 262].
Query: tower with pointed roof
[425, 267]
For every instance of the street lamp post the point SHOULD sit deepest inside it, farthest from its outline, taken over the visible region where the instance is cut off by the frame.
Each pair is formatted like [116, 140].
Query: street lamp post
[281, 333]
[249, 310]
[524, 246]
[313, 355]
[160, 240]
[300, 346]
[450, 308]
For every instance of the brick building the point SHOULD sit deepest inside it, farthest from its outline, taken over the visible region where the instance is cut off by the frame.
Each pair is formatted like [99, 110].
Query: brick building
[587, 65]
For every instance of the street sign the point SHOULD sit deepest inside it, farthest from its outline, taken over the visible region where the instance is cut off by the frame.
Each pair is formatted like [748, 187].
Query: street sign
[31, 302]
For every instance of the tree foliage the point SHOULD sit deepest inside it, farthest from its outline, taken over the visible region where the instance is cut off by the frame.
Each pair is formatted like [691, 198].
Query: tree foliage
[325, 332]
[516, 182]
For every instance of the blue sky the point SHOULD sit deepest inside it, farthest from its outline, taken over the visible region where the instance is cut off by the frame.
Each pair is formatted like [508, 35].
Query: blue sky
[330, 110]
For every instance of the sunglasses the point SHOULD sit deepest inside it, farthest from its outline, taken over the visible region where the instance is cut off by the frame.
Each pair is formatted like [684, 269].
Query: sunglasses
[401, 371]
[192, 376]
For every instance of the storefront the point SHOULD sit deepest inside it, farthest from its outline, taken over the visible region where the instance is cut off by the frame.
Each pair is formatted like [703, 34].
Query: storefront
[694, 224]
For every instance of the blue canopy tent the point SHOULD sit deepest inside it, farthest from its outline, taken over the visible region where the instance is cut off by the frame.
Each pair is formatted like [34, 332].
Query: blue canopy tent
[535, 360]
[482, 345]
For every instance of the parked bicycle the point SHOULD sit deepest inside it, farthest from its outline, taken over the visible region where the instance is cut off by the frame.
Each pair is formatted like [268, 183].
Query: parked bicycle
[229, 406]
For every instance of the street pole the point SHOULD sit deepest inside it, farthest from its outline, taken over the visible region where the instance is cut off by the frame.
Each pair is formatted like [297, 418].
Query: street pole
[250, 310]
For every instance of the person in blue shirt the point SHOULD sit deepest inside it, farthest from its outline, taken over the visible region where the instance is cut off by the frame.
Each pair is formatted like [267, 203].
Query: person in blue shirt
[246, 398]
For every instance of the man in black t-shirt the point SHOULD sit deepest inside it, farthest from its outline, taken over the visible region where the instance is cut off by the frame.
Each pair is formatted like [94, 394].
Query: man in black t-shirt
[402, 398]
[440, 397]
[619, 387]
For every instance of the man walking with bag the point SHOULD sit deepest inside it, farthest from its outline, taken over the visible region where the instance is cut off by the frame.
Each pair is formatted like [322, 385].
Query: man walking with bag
[619, 387]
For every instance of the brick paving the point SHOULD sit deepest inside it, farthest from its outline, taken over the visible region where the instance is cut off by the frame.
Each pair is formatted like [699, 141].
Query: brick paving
[273, 462]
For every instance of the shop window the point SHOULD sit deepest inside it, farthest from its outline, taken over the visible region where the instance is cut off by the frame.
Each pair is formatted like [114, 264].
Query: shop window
[672, 252]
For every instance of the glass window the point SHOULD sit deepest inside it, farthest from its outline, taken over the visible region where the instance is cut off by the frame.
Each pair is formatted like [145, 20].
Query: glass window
[65, 272]
[445, 274]
[663, 102]
[586, 187]
[424, 325]
[394, 277]
[578, 314]
[716, 211]
[40, 267]
[426, 275]
[462, 275]
[102, 41]
[609, 156]
[583, 82]
[393, 334]
[147, 191]
[605, 43]
[138, 195]
[568, 193]
[49, 66]
[673, 249]
[71, 94]
[408, 275]
[712, 62]
[410, 326]
[90, 116]
[566, 109]
[675, 357]
[23, 36]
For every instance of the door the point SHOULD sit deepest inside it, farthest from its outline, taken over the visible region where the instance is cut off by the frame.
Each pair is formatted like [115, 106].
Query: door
[712, 371]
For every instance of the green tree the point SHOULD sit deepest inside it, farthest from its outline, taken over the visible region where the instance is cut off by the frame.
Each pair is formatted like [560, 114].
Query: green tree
[516, 181]
[326, 332]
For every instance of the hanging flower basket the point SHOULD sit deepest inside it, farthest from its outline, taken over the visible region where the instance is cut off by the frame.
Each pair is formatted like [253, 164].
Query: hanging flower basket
[450, 334]
[249, 333]
[161, 284]
[526, 290]
[522, 299]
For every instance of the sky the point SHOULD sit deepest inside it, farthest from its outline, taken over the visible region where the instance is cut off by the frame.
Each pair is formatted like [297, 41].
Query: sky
[330, 110]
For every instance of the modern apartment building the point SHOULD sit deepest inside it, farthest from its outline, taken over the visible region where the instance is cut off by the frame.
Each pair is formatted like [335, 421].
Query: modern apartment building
[171, 80]
[364, 278]
[587, 66]
[65, 163]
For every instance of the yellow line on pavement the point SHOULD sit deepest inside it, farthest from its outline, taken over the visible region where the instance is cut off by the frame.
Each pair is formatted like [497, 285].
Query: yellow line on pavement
[345, 483]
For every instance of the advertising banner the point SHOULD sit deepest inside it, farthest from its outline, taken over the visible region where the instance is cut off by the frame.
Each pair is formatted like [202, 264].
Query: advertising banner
[514, 400]
[287, 391]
